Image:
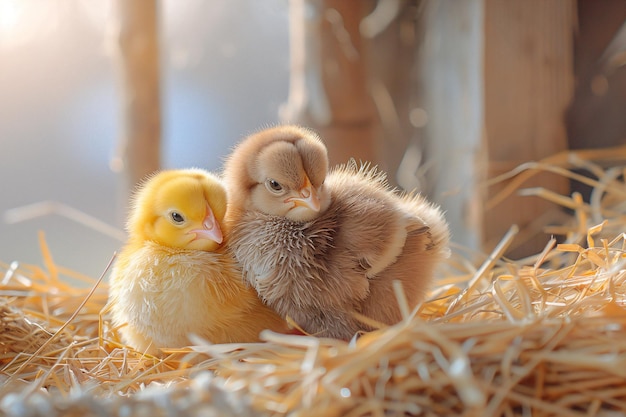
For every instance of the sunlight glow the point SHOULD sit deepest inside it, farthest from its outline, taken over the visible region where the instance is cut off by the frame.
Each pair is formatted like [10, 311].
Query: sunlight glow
[24, 20]
[10, 13]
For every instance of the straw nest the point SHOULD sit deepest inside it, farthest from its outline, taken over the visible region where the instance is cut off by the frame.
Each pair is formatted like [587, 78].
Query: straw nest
[539, 336]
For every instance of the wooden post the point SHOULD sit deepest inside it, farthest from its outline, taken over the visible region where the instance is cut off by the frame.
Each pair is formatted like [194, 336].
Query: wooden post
[328, 89]
[451, 85]
[139, 149]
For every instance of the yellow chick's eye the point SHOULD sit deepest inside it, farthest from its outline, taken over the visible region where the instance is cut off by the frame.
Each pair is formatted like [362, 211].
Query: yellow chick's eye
[177, 218]
[273, 186]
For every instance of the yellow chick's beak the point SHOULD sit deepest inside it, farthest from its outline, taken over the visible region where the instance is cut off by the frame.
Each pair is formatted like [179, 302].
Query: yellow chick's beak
[308, 197]
[210, 228]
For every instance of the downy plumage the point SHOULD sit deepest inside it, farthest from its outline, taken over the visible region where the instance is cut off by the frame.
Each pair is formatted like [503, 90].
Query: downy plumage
[174, 277]
[319, 246]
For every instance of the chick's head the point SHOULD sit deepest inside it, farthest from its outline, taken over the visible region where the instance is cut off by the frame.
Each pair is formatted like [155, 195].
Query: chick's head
[281, 171]
[180, 209]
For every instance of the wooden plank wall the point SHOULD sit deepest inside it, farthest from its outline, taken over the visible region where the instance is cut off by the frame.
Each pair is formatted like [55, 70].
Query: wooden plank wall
[529, 84]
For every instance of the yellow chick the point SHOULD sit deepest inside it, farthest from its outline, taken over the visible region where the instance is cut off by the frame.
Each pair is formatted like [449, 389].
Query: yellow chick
[174, 277]
[318, 245]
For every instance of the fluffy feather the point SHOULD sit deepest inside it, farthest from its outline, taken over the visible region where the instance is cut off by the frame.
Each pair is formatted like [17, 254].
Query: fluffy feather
[173, 277]
[335, 258]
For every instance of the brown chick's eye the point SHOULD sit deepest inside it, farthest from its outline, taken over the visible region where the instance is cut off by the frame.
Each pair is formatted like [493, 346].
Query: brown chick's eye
[177, 217]
[274, 186]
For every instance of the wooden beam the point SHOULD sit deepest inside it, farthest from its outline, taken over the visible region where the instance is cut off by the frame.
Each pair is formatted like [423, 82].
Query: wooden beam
[451, 85]
[139, 147]
[328, 89]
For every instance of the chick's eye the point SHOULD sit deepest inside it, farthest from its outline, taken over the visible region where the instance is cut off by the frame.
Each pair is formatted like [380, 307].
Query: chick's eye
[273, 185]
[177, 217]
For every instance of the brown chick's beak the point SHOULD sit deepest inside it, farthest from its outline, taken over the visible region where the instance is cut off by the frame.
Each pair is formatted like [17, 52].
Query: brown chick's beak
[308, 197]
[211, 229]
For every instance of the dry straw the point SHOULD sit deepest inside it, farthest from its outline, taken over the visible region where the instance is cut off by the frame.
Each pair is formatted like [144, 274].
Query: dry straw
[540, 336]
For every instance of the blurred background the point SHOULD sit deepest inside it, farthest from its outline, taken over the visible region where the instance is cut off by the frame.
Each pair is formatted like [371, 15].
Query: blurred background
[224, 74]
[441, 94]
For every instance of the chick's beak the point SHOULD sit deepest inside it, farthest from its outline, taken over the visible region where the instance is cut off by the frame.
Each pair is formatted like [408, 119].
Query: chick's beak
[308, 197]
[210, 228]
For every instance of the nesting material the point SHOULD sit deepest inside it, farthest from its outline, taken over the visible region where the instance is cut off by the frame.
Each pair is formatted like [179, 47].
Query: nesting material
[541, 336]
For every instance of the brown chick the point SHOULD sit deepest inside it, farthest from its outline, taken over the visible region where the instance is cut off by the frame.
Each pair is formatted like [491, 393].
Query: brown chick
[174, 277]
[319, 246]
